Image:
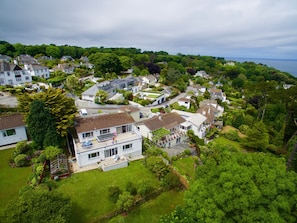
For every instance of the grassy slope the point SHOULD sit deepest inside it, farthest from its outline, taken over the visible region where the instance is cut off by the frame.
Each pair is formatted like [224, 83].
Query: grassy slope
[89, 190]
[12, 179]
[185, 166]
[151, 211]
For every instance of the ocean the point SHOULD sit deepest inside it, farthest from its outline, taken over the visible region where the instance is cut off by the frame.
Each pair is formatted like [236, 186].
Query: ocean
[289, 66]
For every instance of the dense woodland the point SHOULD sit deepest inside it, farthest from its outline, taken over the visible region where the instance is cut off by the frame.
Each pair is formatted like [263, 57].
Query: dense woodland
[231, 186]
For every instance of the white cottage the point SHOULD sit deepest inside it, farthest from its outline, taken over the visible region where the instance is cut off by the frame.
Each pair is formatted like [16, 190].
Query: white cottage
[107, 139]
[12, 129]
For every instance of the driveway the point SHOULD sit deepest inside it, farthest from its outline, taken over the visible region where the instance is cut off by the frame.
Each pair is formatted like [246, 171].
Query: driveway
[7, 100]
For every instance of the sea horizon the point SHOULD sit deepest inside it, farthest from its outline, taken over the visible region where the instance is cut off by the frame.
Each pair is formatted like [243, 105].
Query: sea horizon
[284, 65]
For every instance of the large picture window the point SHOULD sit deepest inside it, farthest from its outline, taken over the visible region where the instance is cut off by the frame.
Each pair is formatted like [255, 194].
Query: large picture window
[8, 132]
[111, 152]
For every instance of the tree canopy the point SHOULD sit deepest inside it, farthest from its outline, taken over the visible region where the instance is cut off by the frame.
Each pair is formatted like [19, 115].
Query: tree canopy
[252, 187]
[37, 206]
[61, 107]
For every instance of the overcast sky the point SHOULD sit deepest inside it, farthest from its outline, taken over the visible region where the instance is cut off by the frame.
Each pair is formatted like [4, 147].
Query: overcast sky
[227, 28]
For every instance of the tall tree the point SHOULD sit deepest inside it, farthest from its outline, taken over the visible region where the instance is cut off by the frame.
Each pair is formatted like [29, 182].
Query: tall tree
[39, 122]
[61, 107]
[250, 187]
[36, 206]
[257, 137]
[53, 51]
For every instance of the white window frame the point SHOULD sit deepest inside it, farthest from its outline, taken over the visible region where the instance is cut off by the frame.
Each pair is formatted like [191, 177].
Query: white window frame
[111, 152]
[87, 135]
[93, 155]
[127, 146]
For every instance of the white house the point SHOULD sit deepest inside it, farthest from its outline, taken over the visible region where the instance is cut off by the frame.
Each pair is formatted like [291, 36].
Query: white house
[216, 93]
[12, 129]
[12, 74]
[107, 139]
[155, 98]
[195, 122]
[37, 70]
[186, 102]
[171, 122]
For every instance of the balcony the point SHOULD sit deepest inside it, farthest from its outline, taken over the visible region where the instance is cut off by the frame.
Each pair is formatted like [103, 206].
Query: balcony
[101, 142]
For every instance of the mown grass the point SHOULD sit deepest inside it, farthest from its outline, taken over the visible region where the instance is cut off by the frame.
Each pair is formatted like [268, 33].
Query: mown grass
[151, 211]
[89, 190]
[222, 140]
[186, 166]
[12, 179]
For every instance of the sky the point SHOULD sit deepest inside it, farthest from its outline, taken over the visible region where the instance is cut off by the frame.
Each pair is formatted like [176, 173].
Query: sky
[223, 28]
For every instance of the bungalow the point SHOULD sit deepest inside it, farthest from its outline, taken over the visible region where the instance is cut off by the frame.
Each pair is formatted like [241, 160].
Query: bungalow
[12, 129]
[202, 74]
[109, 139]
[172, 122]
[66, 68]
[155, 98]
[37, 70]
[109, 86]
[25, 59]
[216, 93]
[12, 74]
[186, 102]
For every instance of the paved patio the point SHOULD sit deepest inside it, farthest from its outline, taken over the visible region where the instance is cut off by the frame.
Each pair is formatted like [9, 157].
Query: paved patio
[177, 149]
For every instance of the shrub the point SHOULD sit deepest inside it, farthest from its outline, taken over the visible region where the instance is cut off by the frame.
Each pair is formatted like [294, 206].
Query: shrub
[144, 188]
[187, 152]
[125, 201]
[21, 148]
[130, 187]
[232, 135]
[114, 193]
[171, 181]
[244, 128]
[173, 158]
[21, 160]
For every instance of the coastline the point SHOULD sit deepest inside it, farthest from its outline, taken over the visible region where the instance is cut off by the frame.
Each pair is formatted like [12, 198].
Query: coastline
[284, 65]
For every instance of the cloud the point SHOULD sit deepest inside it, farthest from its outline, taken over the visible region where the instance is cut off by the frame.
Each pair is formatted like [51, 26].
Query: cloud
[220, 27]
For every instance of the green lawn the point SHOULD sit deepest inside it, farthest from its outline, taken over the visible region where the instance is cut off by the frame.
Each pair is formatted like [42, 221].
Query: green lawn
[12, 179]
[185, 166]
[151, 211]
[222, 140]
[89, 190]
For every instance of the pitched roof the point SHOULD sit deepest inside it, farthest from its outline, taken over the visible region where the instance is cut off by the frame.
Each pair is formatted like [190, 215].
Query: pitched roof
[129, 109]
[184, 99]
[208, 111]
[102, 122]
[194, 118]
[167, 121]
[11, 121]
[4, 66]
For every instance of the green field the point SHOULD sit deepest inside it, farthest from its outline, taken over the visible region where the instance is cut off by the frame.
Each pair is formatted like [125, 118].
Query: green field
[89, 190]
[12, 179]
[151, 211]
